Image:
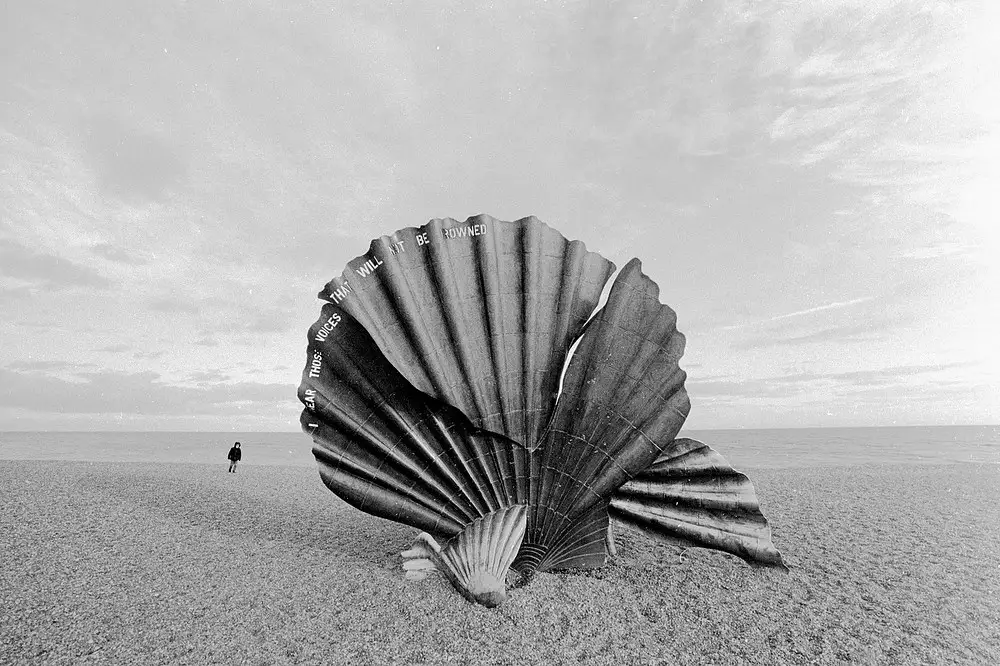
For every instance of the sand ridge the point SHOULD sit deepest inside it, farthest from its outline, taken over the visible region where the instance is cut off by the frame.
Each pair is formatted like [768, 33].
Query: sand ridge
[185, 564]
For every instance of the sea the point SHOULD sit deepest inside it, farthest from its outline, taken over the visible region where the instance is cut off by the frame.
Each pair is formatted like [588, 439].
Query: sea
[744, 449]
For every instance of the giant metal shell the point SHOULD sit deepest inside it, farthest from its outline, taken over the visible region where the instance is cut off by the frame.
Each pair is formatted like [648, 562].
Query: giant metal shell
[432, 393]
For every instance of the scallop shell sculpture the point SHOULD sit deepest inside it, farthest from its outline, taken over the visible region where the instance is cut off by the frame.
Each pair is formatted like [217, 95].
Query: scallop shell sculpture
[438, 395]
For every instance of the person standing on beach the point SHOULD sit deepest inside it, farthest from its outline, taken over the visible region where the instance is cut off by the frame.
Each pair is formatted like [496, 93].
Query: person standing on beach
[235, 455]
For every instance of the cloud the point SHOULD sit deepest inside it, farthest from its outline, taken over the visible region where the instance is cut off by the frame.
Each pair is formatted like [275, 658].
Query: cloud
[173, 305]
[878, 377]
[274, 321]
[207, 376]
[34, 324]
[846, 333]
[131, 164]
[15, 294]
[754, 388]
[115, 254]
[45, 270]
[116, 349]
[800, 383]
[936, 251]
[837, 305]
[135, 393]
[47, 365]
[702, 379]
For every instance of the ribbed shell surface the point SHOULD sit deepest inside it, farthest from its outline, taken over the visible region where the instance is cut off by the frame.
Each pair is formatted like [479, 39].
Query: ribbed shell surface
[396, 452]
[690, 496]
[622, 402]
[481, 555]
[478, 313]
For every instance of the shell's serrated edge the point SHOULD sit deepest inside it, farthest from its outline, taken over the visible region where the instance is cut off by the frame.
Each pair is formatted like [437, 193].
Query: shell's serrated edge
[418, 308]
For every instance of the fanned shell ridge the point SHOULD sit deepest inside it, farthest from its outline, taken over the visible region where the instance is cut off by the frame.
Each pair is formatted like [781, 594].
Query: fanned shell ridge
[691, 497]
[581, 543]
[477, 560]
[622, 402]
[479, 314]
[393, 451]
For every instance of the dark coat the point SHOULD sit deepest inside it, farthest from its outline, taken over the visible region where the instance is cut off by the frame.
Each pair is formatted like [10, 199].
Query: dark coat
[235, 454]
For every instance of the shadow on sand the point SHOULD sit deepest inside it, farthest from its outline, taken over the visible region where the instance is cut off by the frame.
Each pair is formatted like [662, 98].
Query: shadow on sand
[262, 504]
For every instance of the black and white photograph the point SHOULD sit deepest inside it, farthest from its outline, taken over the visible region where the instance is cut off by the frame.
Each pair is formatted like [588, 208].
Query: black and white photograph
[499, 333]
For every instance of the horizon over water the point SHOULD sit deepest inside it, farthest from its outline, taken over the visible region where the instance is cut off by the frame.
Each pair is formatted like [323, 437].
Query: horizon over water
[744, 449]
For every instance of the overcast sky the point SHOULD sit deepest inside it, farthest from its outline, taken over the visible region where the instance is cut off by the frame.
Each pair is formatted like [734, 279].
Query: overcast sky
[812, 185]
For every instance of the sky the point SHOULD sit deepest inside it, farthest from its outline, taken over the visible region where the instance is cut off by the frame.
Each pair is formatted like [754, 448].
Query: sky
[812, 186]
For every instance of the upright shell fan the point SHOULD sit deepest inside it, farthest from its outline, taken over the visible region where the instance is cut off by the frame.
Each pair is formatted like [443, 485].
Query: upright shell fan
[433, 396]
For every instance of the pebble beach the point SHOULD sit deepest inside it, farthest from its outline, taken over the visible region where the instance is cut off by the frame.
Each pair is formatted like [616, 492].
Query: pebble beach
[122, 563]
